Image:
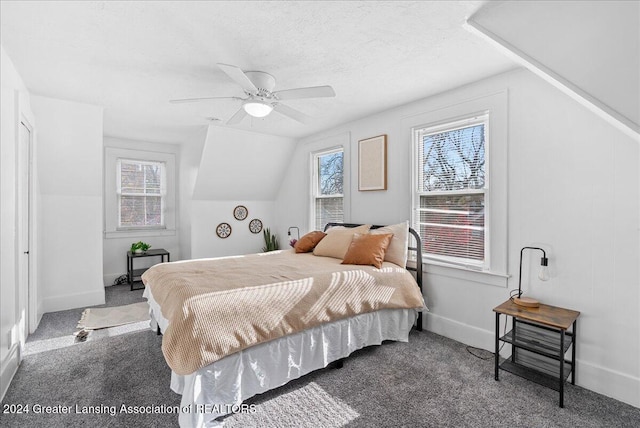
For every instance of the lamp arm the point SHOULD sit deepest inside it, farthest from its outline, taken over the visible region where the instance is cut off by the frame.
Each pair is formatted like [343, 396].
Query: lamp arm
[544, 261]
[297, 231]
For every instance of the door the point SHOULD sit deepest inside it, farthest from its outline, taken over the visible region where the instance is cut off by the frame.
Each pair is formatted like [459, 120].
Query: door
[24, 229]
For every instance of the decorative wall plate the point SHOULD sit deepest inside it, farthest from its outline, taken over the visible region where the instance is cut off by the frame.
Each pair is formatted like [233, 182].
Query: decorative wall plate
[223, 230]
[240, 212]
[255, 226]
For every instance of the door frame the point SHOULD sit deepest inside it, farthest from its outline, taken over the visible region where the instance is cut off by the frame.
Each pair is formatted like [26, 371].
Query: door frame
[30, 304]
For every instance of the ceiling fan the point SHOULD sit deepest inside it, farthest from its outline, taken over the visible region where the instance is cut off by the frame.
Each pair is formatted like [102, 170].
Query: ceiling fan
[260, 99]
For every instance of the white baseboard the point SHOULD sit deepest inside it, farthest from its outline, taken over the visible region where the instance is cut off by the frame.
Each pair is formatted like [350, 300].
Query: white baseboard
[602, 380]
[465, 333]
[608, 382]
[8, 369]
[72, 301]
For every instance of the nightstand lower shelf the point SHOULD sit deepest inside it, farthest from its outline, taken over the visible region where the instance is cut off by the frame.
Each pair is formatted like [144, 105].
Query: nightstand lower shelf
[136, 278]
[534, 374]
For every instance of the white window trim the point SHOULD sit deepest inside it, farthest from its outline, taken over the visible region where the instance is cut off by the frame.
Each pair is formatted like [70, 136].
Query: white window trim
[315, 194]
[474, 119]
[162, 194]
[494, 271]
[112, 230]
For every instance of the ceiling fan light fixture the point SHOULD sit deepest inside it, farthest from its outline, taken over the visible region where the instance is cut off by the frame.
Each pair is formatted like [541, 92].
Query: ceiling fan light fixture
[257, 108]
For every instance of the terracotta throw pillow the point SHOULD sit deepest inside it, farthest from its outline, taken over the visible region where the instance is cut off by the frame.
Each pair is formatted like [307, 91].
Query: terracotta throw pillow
[367, 249]
[309, 241]
[337, 241]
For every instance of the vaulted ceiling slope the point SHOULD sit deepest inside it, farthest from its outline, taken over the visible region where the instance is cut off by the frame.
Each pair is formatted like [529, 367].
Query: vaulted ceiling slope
[588, 49]
[133, 57]
[240, 165]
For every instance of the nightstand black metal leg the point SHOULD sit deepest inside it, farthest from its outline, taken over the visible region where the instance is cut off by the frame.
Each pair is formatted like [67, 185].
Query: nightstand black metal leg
[497, 355]
[573, 354]
[562, 368]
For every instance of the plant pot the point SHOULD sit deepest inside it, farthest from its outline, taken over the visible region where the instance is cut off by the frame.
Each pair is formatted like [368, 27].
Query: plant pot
[138, 251]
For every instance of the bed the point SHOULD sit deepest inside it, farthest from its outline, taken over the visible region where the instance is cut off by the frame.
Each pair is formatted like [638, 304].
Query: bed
[319, 312]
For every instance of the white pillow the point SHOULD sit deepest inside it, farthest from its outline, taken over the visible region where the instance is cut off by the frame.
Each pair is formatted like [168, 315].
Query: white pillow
[398, 249]
[337, 241]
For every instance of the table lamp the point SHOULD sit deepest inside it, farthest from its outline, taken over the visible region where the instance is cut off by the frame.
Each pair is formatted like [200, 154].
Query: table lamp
[292, 242]
[543, 275]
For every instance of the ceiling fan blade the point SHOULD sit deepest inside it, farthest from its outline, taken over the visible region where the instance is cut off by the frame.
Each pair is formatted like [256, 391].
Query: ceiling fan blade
[237, 118]
[311, 92]
[238, 76]
[191, 100]
[290, 112]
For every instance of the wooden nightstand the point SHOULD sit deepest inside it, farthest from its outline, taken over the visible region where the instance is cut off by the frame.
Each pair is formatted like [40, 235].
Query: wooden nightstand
[540, 340]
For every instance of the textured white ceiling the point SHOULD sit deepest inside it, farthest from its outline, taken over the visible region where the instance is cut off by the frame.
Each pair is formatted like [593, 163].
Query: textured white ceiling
[133, 57]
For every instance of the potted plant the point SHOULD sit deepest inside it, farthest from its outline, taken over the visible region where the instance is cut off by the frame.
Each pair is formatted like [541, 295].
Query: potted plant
[139, 247]
[271, 241]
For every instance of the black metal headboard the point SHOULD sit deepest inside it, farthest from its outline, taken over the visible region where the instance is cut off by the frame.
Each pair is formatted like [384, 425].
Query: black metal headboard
[418, 250]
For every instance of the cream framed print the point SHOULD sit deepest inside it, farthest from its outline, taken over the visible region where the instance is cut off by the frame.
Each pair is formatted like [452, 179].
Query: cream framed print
[372, 163]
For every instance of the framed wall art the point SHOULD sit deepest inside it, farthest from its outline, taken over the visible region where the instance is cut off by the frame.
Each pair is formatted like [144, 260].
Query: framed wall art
[372, 163]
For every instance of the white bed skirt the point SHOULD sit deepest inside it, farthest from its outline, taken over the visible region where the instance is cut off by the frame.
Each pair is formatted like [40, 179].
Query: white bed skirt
[219, 388]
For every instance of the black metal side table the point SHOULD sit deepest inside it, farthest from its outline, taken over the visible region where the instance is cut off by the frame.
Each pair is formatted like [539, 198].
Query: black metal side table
[540, 340]
[134, 275]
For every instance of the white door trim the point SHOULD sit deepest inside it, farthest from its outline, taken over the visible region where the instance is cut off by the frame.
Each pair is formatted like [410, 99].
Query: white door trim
[31, 305]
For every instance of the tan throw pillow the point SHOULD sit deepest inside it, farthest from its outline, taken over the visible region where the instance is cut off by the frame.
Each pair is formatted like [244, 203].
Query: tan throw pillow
[367, 249]
[337, 241]
[309, 241]
[398, 250]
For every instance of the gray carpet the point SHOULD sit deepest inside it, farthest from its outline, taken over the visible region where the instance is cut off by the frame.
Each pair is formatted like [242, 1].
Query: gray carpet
[431, 381]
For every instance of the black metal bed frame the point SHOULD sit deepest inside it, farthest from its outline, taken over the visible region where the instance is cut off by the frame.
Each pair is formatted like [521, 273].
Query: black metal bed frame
[417, 249]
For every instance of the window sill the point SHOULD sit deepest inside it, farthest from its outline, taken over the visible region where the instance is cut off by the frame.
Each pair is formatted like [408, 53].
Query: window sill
[486, 277]
[133, 233]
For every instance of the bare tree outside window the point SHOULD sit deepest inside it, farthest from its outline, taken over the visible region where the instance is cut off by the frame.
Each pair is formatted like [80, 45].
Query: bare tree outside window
[331, 173]
[454, 160]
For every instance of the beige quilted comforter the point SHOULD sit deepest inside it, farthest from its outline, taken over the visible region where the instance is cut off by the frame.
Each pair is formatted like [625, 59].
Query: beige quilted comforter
[216, 307]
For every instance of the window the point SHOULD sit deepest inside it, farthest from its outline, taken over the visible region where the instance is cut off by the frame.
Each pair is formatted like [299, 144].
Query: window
[141, 193]
[328, 187]
[450, 201]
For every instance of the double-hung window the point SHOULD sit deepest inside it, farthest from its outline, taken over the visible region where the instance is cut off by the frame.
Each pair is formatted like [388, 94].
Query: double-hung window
[141, 190]
[327, 187]
[450, 202]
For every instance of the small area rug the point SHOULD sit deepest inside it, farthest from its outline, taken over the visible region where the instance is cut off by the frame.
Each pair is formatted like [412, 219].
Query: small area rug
[97, 318]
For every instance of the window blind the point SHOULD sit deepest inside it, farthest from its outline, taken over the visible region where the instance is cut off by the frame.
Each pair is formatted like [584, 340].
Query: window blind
[328, 210]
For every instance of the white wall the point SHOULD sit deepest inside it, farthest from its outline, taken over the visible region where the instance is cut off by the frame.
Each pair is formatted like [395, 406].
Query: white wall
[115, 247]
[14, 101]
[206, 215]
[242, 165]
[235, 168]
[293, 202]
[573, 186]
[70, 203]
[190, 156]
